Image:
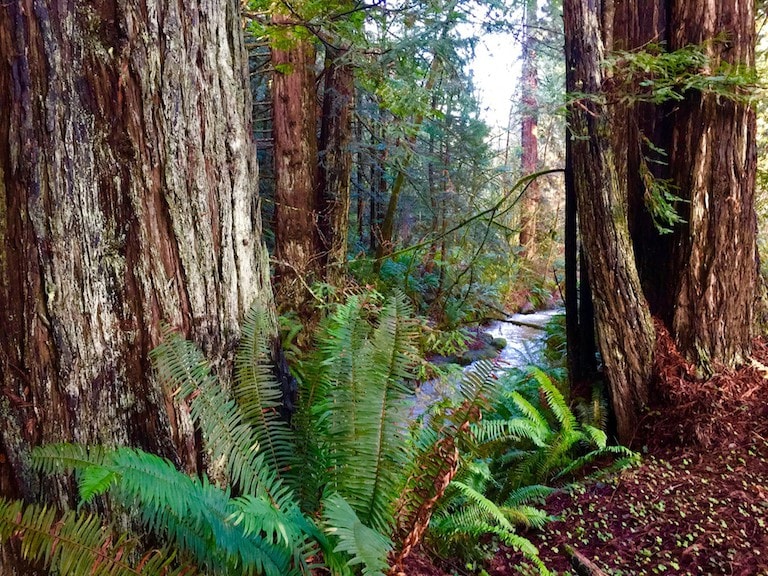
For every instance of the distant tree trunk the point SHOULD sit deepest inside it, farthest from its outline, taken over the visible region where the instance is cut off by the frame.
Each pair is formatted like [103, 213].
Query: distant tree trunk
[336, 163]
[378, 181]
[297, 242]
[625, 330]
[360, 164]
[128, 196]
[528, 136]
[386, 244]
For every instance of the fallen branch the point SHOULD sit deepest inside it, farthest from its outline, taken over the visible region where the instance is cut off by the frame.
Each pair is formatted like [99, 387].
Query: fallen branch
[583, 565]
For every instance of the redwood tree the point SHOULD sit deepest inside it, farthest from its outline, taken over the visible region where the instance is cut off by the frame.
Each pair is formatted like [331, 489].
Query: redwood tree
[335, 160]
[528, 134]
[128, 196]
[625, 330]
[701, 278]
[298, 250]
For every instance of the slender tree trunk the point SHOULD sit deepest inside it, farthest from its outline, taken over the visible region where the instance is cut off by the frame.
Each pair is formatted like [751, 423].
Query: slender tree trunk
[336, 163]
[625, 330]
[128, 197]
[528, 137]
[297, 242]
[378, 181]
[386, 243]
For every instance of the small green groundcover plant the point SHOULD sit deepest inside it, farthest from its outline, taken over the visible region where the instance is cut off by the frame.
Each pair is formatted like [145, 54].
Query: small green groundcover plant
[352, 485]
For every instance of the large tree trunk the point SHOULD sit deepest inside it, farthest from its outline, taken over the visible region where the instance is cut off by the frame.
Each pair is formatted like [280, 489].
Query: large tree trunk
[713, 156]
[625, 330]
[128, 196]
[336, 163]
[294, 110]
[701, 279]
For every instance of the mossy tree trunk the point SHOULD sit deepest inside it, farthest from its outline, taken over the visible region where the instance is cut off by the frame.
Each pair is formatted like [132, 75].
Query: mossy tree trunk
[128, 196]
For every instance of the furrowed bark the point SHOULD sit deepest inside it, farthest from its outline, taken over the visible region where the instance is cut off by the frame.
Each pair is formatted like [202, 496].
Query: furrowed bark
[128, 196]
[625, 330]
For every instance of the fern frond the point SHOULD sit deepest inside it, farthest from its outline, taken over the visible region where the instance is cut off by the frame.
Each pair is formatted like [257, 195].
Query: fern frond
[477, 389]
[626, 457]
[489, 508]
[555, 400]
[366, 413]
[193, 514]
[364, 545]
[258, 394]
[595, 435]
[530, 412]
[528, 494]
[257, 515]
[63, 457]
[514, 430]
[441, 450]
[523, 545]
[93, 478]
[393, 342]
[77, 544]
[470, 523]
[228, 437]
[528, 516]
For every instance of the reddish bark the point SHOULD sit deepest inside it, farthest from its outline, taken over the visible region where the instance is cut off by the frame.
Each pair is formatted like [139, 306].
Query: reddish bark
[335, 163]
[297, 241]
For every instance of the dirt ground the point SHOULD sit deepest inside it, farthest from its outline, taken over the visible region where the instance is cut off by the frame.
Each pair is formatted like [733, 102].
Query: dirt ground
[698, 504]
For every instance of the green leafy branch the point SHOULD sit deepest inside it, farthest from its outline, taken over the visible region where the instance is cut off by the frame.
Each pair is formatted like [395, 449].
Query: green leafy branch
[656, 75]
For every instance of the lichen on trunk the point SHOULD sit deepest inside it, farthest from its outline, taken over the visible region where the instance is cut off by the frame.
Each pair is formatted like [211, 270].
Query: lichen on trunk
[129, 195]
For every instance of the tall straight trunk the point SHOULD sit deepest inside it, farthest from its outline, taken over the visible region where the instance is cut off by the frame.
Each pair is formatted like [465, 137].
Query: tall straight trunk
[360, 162]
[528, 136]
[378, 180]
[297, 241]
[625, 330]
[579, 311]
[335, 163]
[128, 197]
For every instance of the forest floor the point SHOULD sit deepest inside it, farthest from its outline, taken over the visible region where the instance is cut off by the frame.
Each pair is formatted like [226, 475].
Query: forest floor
[698, 503]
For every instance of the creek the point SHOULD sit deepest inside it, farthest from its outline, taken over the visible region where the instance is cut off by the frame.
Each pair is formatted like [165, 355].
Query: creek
[525, 339]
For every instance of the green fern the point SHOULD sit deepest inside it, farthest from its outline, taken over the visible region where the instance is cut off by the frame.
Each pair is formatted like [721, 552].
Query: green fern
[258, 394]
[363, 545]
[470, 514]
[448, 433]
[538, 445]
[362, 416]
[199, 518]
[228, 437]
[78, 544]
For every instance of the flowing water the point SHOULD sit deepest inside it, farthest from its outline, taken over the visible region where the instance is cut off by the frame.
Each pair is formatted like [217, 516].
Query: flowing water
[524, 335]
[525, 339]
